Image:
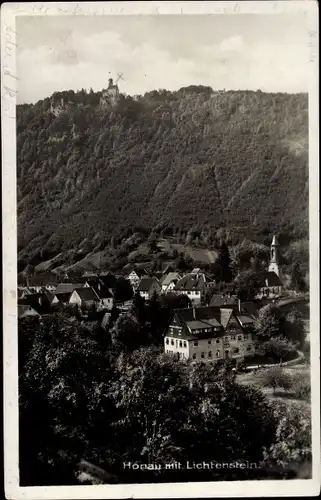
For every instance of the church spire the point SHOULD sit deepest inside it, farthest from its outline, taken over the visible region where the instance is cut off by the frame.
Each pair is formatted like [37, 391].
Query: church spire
[274, 256]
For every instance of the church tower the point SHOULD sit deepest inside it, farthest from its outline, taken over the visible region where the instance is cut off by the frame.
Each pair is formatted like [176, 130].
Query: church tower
[274, 257]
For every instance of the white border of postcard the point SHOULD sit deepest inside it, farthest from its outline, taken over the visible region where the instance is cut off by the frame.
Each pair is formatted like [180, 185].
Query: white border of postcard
[10, 39]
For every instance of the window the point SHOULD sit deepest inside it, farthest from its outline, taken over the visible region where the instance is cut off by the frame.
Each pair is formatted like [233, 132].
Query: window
[195, 342]
[194, 356]
[209, 342]
[209, 354]
[236, 350]
[239, 337]
[233, 337]
[185, 345]
[217, 341]
[226, 338]
[167, 340]
[172, 341]
[249, 348]
[202, 355]
[217, 354]
[180, 343]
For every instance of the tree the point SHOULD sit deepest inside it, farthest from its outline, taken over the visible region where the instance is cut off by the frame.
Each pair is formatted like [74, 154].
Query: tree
[152, 399]
[297, 279]
[294, 327]
[173, 301]
[291, 449]
[123, 290]
[66, 374]
[277, 348]
[152, 243]
[29, 273]
[126, 334]
[301, 385]
[270, 322]
[222, 265]
[169, 411]
[247, 286]
[275, 377]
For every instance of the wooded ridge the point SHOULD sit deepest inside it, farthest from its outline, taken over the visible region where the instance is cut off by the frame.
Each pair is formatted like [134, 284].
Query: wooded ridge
[192, 159]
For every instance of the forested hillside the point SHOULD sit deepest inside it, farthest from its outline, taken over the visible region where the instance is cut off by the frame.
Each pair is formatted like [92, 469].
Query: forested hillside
[191, 159]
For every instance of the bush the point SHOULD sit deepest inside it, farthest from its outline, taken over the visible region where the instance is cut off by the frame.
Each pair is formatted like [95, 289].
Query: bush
[301, 386]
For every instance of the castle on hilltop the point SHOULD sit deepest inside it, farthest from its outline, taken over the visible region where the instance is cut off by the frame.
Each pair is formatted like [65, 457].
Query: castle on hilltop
[110, 95]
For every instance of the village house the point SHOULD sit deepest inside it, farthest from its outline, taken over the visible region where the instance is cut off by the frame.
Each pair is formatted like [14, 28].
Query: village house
[64, 291]
[169, 281]
[38, 302]
[193, 285]
[40, 282]
[148, 287]
[209, 334]
[135, 276]
[106, 299]
[84, 297]
[61, 298]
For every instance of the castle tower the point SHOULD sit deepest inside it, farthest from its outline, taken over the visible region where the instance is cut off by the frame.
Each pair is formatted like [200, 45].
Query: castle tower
[110, 95]
[274, 257]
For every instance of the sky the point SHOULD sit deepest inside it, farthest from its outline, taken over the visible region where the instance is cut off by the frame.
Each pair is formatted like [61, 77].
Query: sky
[239, 51]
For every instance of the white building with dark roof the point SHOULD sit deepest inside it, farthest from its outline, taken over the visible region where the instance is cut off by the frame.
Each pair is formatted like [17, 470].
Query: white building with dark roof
[169, 281]
[84, 297]
[148, 286]
[210, 334]
[193, 285]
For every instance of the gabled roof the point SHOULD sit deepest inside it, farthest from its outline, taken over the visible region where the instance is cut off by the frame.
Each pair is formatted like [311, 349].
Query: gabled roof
[90, 274]
[42, 279]
[86, 294]
[173, 276]
[191, 282]
[197, 325]
[218, 300]
[268, 278]
[140, 272]
[146, 284]
[201, 318]
[104, 293]
[67, 287]
[33, 298]
[245, 320]
[24, 308]
[225, 316]
[63, 297]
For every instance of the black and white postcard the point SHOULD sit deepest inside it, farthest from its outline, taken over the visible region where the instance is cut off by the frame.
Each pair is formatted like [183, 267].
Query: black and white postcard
[160, 249]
